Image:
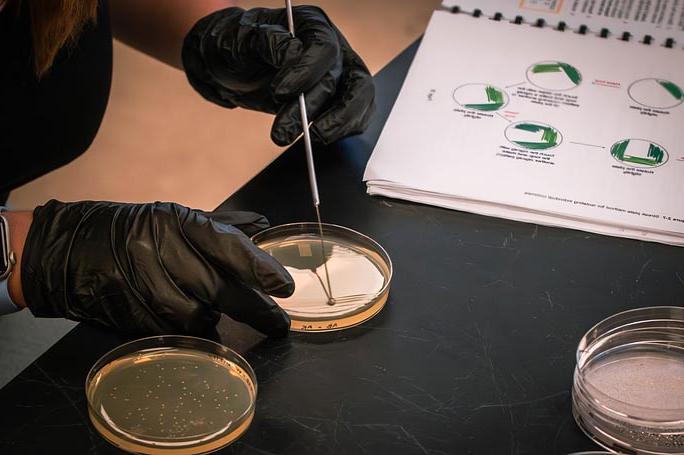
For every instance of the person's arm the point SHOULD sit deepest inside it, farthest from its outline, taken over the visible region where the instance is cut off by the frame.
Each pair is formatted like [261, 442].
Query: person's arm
[158, 28]
[248, 58]
[19, 224]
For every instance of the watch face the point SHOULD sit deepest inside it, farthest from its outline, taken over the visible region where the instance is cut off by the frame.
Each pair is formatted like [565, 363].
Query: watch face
[4, 250]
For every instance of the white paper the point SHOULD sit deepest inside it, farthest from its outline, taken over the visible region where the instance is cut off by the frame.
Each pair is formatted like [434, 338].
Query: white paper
[526, 216]
[661, 19]
[437, 151]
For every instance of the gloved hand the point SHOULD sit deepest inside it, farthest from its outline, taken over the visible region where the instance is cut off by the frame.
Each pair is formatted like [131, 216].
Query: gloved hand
[248, 59]
[151, 268]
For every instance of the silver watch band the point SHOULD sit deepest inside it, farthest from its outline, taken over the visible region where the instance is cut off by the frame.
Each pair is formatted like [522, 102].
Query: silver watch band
[6, 304]
[11, 259]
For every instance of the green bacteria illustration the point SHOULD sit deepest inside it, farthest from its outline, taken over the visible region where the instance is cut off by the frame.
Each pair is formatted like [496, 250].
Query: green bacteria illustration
[533, 135]
[554, 75]
[480, 97]
[639, 153]
[656, 93]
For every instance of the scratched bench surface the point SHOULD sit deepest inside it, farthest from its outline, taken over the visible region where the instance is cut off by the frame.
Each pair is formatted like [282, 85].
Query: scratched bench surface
[473, 354]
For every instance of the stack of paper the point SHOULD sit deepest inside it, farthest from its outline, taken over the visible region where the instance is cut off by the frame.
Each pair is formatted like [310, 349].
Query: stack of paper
[540, 126]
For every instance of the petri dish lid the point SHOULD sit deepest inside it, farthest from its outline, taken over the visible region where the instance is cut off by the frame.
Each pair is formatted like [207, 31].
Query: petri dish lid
[171, 394]
[628, 390]
[341, 279]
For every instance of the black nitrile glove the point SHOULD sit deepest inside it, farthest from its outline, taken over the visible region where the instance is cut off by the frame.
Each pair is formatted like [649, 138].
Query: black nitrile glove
[151, 268]
[248, 59]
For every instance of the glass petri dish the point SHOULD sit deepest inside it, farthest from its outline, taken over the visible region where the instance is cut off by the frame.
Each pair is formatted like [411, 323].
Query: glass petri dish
[341, 280]
[628, 390]
[171, 394]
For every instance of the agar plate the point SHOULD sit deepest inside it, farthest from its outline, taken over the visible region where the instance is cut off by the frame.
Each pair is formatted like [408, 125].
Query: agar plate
[628, 391]
[341, 279]
[171, 394]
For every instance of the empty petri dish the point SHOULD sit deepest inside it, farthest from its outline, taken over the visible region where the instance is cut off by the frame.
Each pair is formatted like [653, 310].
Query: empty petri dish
[628, 391]
[171, 394]
[341, 279]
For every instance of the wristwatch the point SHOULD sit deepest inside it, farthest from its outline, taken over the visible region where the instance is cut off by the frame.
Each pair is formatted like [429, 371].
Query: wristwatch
[7, 259]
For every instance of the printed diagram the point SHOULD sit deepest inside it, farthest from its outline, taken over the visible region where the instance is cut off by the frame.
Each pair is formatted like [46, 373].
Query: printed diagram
[656, 93]
[480, 97]
[533, 135]
[639, 153]
[554, 75]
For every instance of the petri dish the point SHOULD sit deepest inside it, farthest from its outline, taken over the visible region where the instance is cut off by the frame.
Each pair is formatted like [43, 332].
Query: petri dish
[628, 389]
[341, 279]
[171, 394]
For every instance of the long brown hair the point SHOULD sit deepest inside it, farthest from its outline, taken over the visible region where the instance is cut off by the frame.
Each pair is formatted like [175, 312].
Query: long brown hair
[54, 24]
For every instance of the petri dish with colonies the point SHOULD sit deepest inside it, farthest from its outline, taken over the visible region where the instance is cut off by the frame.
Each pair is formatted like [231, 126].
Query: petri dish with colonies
[628, 389]
[341, 279]
[171, 394]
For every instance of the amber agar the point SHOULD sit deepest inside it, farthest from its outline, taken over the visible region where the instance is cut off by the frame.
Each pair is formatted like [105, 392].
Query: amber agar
[171, 394]
[359, 269]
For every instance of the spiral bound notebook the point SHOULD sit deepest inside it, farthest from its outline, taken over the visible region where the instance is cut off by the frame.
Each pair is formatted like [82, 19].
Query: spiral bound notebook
[659, 22]
[532, 123]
